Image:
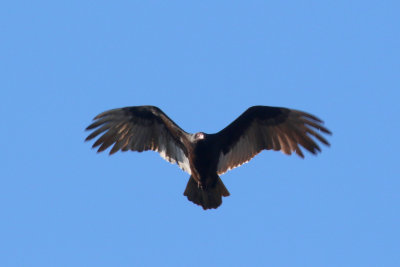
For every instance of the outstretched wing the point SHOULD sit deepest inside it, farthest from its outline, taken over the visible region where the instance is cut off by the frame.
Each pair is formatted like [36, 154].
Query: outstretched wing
[139, 129]
[262, 127]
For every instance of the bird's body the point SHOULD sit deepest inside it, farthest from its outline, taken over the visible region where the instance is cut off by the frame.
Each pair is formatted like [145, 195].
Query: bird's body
[205, 161]
[206, 156]
[205, 187]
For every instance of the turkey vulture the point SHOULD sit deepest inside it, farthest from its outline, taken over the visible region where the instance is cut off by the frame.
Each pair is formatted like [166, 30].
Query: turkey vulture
[206, 156]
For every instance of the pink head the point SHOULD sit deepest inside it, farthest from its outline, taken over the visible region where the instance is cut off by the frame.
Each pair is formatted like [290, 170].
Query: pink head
[199, 136]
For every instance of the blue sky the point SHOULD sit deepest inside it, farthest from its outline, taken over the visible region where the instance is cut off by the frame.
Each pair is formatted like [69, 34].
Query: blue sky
[61, 204]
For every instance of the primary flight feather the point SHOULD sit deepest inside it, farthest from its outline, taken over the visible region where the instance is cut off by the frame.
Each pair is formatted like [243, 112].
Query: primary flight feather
[206, 156]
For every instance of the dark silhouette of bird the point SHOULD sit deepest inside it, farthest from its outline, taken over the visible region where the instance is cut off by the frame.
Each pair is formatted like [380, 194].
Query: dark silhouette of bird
[206, 156]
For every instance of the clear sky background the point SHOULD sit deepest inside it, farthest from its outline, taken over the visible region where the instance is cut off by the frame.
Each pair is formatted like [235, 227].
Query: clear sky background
[62, 63]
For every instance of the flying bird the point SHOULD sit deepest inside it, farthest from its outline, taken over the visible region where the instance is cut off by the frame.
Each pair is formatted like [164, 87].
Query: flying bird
[207, 156]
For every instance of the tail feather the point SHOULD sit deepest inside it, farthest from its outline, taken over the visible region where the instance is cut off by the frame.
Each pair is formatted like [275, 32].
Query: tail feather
[208, 198]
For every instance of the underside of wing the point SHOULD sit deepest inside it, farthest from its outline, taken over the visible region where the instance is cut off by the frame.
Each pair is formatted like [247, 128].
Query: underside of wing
[139, 129]
[270, 128]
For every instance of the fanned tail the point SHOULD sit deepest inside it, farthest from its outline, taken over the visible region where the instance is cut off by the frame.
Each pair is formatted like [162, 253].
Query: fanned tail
[208, 198]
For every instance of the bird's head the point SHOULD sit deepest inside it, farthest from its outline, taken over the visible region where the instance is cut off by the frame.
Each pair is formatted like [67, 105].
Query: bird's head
[199, 136]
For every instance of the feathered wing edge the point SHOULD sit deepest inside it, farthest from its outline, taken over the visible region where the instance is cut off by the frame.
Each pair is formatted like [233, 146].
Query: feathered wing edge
[274, 128]
[139, 129]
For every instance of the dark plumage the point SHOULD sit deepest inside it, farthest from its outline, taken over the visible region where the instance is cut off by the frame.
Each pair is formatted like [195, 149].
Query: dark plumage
[206, 156]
